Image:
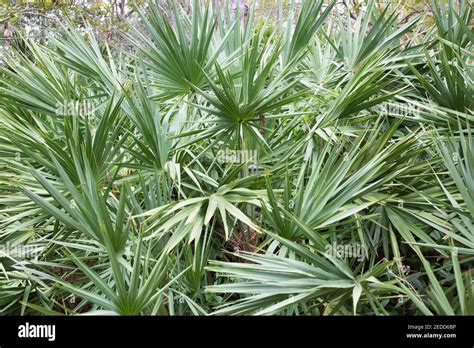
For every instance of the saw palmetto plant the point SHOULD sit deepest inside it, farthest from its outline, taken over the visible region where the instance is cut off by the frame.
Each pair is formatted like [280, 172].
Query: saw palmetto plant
[219, 163]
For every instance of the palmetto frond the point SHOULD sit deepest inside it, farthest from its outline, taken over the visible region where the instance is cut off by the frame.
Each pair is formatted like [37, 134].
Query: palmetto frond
[224, 164]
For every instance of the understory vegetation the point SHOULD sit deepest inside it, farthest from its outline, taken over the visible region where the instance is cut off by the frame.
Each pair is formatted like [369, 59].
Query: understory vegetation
[221, 164]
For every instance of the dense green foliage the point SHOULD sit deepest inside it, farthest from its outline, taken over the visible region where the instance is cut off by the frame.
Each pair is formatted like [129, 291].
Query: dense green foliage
[320, 166]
